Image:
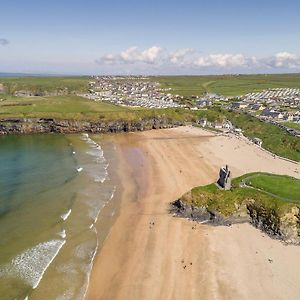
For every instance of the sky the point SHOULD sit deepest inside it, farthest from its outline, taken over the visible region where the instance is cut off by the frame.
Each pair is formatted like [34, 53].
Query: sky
[149, 37]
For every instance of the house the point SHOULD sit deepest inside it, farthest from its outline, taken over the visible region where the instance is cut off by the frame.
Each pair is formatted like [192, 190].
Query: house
[227, 124]
[289, 116]
[218, 125]
[257, 141]
[256, 107]
[202, 122]
[204, 102]
[239, 105]
[238, 130]
[271, 114]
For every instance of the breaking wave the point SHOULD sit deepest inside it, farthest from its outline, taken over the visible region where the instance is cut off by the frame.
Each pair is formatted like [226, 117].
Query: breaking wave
[31, 265]
[66, 215]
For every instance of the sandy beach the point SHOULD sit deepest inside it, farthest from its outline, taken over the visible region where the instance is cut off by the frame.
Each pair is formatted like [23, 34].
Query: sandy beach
[149, 254]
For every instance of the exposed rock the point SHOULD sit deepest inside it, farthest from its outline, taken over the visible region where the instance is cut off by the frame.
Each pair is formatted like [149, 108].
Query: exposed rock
[264, 218]
[203, 214]
[285, 227]
[47, 125]
[41, 93]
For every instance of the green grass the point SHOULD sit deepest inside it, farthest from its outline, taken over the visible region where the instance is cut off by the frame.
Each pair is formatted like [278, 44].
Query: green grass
[63, 107]
[293, 125]
[184, 85]
[73, 107]
[227, 85]
[227, 202]
[77, 108]
[283, 186]
[41, 84]
[274, 138]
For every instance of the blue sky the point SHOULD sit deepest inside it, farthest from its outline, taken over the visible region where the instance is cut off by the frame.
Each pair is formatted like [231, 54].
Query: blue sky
[150, 37]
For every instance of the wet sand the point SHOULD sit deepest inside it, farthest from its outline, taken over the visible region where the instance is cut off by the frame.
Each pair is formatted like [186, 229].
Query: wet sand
[149, 254]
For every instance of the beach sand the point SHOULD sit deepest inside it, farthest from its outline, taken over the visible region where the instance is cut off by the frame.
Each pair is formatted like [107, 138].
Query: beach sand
[149, 254]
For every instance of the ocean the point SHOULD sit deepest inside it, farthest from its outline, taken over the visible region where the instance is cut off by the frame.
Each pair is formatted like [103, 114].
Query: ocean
[52, 190]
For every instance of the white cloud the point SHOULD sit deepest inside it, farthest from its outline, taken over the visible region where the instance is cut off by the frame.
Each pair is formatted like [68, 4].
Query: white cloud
[181, 56]
[133, 55]
[189, 58]
[284, 60]
[224, 61]
[151, 55]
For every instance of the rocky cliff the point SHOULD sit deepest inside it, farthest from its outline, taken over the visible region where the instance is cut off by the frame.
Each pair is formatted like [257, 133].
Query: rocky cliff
[285, 227]
[44, 125]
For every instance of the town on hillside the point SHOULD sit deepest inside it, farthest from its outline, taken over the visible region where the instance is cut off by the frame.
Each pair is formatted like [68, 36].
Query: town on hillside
[276, 105]
[135, 91]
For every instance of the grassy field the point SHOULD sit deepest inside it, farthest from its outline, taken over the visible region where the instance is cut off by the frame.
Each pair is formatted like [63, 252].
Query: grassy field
[227, 85]
[63, 107]
[293, 125]
[41, 84]
[72, 107]
[226, 202]
[283, 186]
[184, 85]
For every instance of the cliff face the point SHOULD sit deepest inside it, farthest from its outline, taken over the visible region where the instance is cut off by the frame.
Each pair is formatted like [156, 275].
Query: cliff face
[285, 227]
[43, 125]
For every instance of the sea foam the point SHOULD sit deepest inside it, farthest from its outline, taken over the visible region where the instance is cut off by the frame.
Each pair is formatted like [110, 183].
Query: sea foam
[31, 265]
[66, 215]
[96, 152]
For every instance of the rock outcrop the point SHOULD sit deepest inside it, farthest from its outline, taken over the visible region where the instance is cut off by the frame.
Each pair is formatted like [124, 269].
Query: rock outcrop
[285, 227]
[48, 125]
[205, 215]
[42, 93]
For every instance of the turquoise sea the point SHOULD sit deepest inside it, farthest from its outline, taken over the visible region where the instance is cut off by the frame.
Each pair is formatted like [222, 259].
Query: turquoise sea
[52, 189]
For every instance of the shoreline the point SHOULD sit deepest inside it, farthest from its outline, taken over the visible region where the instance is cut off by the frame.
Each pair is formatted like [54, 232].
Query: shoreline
[151, 255]
[134, 217]
[86, 224]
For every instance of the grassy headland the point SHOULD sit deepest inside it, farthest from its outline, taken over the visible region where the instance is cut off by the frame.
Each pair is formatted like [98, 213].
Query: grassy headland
[62, 107]
[254, 198]
[77, 108]
[71, 107]
[229, 202]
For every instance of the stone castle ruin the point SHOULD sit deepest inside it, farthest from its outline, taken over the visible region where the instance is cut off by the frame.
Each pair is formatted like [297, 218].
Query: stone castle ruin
[224, 180]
